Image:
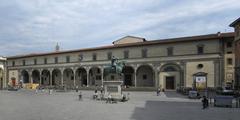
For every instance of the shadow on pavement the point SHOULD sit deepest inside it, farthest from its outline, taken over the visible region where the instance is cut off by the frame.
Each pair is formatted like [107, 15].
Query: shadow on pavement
[159, 110]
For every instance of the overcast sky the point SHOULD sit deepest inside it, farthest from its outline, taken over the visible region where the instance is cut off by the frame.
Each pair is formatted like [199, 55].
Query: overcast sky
[35, 26]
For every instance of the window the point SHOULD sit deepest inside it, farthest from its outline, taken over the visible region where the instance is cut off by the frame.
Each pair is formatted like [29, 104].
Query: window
[45, 60]
[169, 69]
[80, 57]
[200, 66]
[200, 49]
[56, 59]
[109, 55]
[94, 56]
[112, 77]
[144, 53]
[229, 44]
[23, 62]
[229, 52]
[229, 61]
[35, 61]
[170, 51]
[67, 59]
[126, 54]
[13, 63]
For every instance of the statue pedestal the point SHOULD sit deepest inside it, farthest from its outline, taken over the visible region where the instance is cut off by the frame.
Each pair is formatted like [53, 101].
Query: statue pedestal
[113, 88]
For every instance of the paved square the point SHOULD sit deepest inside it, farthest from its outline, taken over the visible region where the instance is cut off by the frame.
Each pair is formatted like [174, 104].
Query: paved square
[27, 105]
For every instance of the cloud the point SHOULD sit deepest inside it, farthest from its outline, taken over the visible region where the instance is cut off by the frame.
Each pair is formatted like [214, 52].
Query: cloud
[37, 25]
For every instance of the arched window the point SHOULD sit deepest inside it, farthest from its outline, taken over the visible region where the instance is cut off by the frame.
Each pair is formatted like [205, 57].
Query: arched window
[169, 69]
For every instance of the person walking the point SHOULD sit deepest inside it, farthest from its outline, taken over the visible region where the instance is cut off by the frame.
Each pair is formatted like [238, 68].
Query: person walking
[204, 102]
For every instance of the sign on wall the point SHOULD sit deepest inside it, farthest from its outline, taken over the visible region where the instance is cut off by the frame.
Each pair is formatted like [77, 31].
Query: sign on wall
[200, 82]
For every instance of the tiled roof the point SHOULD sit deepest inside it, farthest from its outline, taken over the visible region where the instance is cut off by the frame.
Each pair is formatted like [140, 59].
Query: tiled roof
[235, 22]
[152, 42]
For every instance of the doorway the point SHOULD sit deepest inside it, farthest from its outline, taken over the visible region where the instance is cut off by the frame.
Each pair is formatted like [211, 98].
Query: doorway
[170, 80]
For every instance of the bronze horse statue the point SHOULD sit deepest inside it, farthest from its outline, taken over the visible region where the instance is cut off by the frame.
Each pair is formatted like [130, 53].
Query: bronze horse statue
[115, 68]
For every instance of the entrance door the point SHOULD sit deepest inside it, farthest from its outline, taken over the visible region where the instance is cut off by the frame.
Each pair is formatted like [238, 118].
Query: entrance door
[170, 82]
[128, 80]
[1, 83]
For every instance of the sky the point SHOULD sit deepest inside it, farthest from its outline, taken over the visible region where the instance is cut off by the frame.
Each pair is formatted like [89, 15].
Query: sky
[36, 26]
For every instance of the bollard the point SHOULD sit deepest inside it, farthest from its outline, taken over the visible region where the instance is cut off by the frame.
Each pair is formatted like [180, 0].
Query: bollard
[238, 102]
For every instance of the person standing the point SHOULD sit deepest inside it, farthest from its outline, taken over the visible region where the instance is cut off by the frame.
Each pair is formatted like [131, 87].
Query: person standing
[158, 91]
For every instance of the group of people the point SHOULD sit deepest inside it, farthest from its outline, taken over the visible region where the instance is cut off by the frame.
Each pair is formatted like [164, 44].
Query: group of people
[97, 96]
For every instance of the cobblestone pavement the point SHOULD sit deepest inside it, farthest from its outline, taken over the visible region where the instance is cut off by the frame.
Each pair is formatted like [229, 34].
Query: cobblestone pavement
[28, 105]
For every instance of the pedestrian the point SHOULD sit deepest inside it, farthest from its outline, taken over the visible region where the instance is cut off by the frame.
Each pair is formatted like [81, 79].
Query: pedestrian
[158, 91]
[109, 98]
[95, 95]
[76, 88]
[80, 96]
[204, 102]
[101, 90]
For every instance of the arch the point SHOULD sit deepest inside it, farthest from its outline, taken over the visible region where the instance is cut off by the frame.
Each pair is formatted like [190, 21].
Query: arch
[128, 75]
[25, 76]
[68, 78]
[145, 76]
[81, 77]
[45, 77]
[56, 77]
[36, 76]
[170, 76]
[95, 76]
[170, 67]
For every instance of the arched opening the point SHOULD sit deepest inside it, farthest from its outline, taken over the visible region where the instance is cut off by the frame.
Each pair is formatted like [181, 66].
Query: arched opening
[169, 76]
[25, 77]
[36, 76]
[56, 77]
[81, 77]
[145, 76]
[128, 75]
[68, 78]
[95, 76]
[45, 77]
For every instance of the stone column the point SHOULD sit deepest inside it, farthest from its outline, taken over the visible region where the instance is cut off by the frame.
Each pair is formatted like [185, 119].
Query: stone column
[74, 77]
[102, 73]
[183, 74]
[87, 68]
[156, 77]
[135, 76]
[40, 77]
[50, 77]
[217, 73]
[30, 76]
[61, 76]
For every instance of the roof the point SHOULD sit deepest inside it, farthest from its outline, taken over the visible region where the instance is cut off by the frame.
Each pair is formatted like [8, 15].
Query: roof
[152, 42]
[143, 39]
[235, 22]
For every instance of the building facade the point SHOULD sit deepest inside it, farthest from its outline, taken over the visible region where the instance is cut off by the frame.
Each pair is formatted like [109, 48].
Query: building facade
[3, 72]
[236, 25]
[196, 61]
